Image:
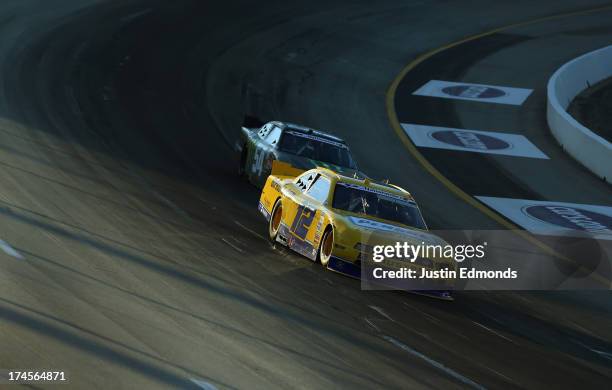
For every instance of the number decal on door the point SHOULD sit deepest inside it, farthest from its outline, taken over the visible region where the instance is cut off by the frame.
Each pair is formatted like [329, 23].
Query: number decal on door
[257, 161]
[302, 221]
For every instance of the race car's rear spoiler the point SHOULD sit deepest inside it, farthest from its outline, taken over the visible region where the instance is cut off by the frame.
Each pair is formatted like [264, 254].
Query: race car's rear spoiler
[280, 168]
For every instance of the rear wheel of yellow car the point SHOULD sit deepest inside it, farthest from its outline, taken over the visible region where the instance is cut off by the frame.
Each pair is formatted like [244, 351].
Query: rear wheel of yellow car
[275, 220]
[326, 247]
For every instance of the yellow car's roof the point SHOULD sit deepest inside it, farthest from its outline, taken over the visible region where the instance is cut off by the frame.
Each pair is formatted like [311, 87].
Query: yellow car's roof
[368, 183]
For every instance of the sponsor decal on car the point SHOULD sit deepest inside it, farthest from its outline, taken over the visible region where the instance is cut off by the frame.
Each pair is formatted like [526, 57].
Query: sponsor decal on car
[276, 185]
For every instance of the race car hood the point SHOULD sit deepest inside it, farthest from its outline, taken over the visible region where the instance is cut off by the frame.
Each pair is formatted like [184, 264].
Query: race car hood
[377, 231]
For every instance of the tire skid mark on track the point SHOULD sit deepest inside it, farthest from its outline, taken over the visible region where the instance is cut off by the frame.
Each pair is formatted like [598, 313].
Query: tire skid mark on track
[499, 374]
[494, 332]
[380, 311]
[417, 354]
[233, 246]
[253, 232]
[603, 354]
[434, 363]
[581, 328]
[421, 356]
[423, 335]
[439, 322]
[424, 314]
[91, 340]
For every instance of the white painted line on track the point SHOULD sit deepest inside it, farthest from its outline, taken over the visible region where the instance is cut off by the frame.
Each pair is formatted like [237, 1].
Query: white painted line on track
[250, 231]
[9, 250]
[380, 311]
[203, 384]
[494, 332]
[474, 92]
[555, 218]
[434, 363]
[473, 141]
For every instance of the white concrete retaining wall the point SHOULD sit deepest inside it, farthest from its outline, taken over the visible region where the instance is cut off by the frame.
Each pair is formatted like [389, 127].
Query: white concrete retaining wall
[591, 150]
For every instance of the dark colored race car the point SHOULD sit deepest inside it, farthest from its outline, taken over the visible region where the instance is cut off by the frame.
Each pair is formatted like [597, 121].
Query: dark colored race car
[301, 147]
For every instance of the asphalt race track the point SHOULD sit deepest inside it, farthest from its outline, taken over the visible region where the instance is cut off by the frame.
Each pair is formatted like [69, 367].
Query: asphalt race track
[133, 256]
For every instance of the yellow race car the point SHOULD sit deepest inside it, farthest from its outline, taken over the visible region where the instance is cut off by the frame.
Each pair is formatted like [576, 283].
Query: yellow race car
[338, 220]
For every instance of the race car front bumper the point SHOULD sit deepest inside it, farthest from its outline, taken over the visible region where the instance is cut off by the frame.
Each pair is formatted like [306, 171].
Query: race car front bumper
[344, 267]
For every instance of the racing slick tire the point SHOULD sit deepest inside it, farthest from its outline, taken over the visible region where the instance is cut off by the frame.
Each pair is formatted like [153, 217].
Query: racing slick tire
[275, 220]
[326, 247]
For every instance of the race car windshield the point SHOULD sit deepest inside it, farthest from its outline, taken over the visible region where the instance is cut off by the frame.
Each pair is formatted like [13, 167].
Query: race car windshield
[362, 200]
[316, 149]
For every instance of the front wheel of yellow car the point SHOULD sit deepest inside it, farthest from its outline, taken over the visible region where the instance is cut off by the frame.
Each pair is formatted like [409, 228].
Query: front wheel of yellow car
[275, 220]
[326, 247]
